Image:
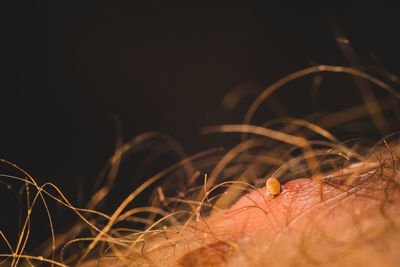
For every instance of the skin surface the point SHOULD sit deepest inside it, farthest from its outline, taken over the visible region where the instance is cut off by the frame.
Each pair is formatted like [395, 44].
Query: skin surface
[260, 219]
[311, 222]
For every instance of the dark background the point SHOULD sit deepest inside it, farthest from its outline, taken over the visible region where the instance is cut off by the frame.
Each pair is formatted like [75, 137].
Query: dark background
[165, 67]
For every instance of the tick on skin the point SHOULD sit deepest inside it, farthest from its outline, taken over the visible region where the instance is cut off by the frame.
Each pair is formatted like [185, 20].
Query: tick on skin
[273, 186]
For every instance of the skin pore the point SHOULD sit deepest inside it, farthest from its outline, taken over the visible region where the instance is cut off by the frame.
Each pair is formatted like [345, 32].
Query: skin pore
[338, 204]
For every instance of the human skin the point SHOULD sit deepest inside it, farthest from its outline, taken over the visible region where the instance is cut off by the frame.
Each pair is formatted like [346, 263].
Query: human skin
[298, 227]
[342, 218]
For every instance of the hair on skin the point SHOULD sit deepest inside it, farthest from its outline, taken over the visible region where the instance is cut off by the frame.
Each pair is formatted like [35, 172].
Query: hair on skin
[290, 193]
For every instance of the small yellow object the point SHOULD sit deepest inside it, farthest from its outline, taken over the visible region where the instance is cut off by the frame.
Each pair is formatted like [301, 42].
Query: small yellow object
[273, 186]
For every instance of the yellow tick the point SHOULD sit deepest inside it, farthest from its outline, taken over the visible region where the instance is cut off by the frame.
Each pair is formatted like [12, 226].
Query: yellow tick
[273, 186]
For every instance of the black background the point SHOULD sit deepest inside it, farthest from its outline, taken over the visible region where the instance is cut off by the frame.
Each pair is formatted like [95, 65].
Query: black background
[165, 67]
